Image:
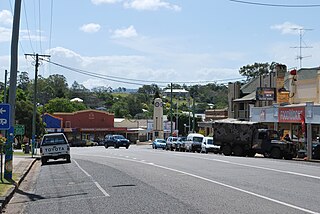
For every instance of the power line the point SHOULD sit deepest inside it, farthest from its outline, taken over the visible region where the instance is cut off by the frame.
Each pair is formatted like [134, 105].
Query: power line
[51, 18]
[40, 27]
[26, 17]
[134, 81]
[276, 5]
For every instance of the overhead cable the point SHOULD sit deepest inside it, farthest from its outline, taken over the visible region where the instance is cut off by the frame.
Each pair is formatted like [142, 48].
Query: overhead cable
[276, 5]
[137, 81]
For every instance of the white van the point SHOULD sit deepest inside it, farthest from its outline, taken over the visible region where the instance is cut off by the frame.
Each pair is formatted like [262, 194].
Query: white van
[194, 141]
[209, 146]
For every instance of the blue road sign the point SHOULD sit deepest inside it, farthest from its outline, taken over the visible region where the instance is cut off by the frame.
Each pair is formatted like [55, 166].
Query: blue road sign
[4, 116]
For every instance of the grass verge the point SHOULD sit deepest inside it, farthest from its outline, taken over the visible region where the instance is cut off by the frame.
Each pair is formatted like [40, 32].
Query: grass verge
[5, 184]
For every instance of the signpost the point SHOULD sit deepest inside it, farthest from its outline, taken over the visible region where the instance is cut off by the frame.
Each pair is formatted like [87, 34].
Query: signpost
[5, 112]
[19, 130]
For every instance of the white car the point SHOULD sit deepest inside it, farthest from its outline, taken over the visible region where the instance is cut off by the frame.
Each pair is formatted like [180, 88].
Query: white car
[54, 146]
[208, 145]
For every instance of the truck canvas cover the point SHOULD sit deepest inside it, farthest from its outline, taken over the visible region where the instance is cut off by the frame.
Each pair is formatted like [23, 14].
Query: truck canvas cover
[231, 130]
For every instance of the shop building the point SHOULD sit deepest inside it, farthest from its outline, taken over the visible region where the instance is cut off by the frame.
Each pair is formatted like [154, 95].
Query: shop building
[289, 102]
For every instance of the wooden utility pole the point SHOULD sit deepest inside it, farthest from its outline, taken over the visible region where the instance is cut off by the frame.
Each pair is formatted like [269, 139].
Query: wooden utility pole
[35, 99]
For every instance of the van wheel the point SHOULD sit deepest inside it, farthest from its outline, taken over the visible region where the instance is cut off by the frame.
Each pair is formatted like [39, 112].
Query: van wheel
[275, 153]
[226, 150]
[237, 150]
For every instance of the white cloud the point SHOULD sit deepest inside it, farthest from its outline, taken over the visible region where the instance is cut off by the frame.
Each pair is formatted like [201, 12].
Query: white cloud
[287, 28]
[105, 1]
[150, 5]
[90, 28]
[5, 34]
[125, 32]
[6, 17]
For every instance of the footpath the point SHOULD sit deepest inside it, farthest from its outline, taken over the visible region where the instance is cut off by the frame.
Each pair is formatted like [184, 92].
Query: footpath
[21, 166]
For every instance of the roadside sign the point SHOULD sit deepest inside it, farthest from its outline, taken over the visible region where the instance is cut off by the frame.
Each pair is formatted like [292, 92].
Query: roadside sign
[4, 116]
[19, 130]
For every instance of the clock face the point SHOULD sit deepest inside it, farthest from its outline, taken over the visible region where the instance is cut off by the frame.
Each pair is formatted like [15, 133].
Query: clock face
[158, 104]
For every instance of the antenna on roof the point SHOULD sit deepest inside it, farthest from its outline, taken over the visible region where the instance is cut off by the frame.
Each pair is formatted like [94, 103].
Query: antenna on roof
[301, 34]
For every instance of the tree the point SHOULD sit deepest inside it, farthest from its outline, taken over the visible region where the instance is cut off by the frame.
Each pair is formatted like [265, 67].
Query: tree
[149, 89]
[23, 80]
[59, 84]
[63, 105]
[24, 114]
[256, 69]
[120, 109]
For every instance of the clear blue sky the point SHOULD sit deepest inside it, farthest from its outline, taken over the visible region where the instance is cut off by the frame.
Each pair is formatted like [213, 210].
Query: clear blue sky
[158, 40]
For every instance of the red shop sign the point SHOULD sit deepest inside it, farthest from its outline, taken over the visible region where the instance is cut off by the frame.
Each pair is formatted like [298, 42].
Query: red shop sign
[291, 114]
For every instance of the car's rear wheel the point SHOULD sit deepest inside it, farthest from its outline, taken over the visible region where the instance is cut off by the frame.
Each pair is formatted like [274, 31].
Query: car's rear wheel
[68, 159]
[43, 160]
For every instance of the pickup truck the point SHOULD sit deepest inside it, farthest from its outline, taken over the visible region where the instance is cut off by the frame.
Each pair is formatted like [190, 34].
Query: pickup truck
[54, 146]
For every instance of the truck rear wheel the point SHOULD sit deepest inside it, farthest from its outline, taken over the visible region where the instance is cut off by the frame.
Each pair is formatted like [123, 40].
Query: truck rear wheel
[226, 150]
[251, 153]
[237, 150]
[276, 153]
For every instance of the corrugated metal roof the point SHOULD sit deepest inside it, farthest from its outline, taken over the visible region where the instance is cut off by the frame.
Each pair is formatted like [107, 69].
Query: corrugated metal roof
[249, 97]
[307, 73]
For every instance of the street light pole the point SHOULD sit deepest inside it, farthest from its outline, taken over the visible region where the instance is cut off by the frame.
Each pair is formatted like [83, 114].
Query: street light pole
[13, 88]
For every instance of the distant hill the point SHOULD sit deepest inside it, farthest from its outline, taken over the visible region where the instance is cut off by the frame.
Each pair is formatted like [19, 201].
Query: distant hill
[127, 90]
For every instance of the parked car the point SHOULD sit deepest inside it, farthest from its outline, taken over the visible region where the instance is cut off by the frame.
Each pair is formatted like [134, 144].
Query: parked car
[159, 143]
[209, 146]
[91, 143]
[180, 146]
[171, 143]
[194, 142]
[116, 141]
[54, 146]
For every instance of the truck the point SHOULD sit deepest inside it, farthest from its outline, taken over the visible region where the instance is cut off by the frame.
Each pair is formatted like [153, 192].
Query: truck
[54, 146]
[245, 138]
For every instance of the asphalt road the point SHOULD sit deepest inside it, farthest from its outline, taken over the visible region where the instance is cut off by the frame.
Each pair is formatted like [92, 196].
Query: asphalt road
[143, 180]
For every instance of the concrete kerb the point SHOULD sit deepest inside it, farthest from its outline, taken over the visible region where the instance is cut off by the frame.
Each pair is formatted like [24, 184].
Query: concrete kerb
[4, 200]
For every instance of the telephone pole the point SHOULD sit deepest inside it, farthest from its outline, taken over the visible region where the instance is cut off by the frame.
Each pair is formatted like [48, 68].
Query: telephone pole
[35, 98]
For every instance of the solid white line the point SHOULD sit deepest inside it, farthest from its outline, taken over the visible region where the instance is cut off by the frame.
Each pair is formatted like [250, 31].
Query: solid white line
[84, 171]
[215, 182]
[96, 183]
[256, 167]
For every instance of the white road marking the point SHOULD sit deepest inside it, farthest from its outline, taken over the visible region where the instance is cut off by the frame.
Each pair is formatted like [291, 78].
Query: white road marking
[96, 183]
[257, 167]
[215, 182]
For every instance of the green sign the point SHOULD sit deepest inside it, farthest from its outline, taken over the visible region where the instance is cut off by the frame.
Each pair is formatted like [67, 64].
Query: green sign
[19, 130]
